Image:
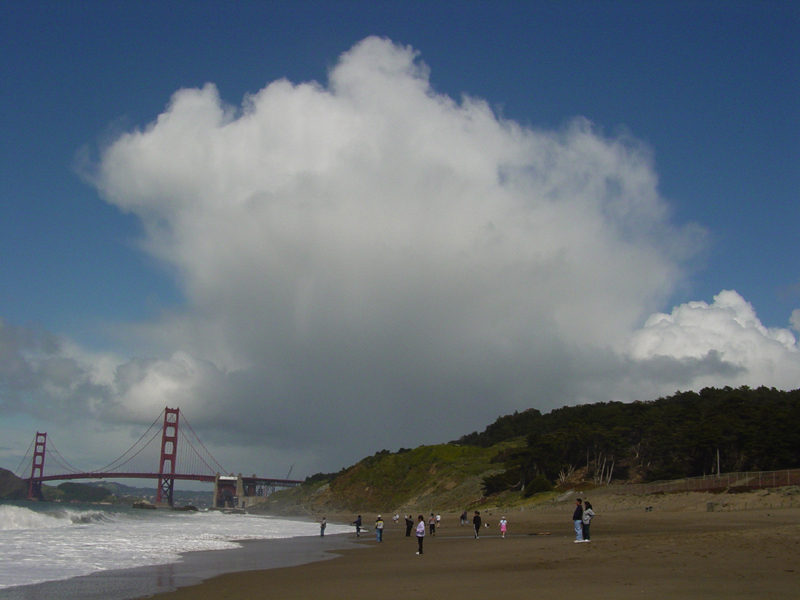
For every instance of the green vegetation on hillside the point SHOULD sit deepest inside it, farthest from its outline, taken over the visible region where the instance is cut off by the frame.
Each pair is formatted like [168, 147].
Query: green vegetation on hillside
[443, 476]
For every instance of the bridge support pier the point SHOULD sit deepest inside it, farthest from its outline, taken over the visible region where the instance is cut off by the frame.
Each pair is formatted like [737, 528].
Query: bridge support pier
[236, 491]
[228, 491]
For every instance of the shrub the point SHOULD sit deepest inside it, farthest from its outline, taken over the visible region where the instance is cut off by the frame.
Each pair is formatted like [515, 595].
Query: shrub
[538, 485]
[499, 482]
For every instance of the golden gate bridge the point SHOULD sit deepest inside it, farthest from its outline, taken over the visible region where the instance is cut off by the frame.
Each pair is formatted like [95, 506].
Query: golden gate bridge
[170, 443]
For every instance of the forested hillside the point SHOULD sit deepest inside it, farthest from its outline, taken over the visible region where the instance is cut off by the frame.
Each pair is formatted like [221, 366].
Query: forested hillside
[684, 435]
[518, 455]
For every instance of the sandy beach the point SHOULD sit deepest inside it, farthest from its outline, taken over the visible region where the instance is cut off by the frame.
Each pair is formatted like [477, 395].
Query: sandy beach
[664, 553]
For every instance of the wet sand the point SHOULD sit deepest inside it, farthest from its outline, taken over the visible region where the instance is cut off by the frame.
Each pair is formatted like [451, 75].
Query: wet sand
[633, 554]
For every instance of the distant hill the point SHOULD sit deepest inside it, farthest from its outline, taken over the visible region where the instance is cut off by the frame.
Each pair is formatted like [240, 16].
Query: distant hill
[80, 492]
[124, 491]
[181, 497]
[11, 486]
[14, 488]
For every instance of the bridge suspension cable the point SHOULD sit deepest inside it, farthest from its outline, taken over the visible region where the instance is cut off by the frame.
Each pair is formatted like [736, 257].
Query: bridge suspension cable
[55, 455]
[219, 468]
[129, 455]
[26, 457]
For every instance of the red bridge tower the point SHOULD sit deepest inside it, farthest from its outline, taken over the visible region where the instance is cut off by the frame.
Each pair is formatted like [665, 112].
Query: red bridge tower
[169, 453]
[37, 467]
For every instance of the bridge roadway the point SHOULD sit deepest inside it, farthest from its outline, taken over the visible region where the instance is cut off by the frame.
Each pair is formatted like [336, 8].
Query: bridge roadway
[183, 477]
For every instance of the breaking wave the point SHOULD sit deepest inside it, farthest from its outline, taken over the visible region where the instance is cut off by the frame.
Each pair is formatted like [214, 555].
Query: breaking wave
[15, 518]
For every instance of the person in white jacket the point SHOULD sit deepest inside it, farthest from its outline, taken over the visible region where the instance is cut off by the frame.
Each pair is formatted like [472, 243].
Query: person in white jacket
[588, 515]
[420, 533]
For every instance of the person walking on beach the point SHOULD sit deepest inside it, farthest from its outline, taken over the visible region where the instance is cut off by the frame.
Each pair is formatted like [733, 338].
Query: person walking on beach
[420, 533]
[463, 518]
[432, 524]
[438, 520]
[409, 525]
[588, 515]
[503, 527]
[379, 529]
[357, 523]
[322, 525]
[577, 520]
[476, 523]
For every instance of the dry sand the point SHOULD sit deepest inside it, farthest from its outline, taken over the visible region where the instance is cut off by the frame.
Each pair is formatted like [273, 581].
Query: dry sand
[674, 551]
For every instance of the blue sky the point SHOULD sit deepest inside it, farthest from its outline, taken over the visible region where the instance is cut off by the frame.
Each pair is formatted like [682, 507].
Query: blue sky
[702, 97]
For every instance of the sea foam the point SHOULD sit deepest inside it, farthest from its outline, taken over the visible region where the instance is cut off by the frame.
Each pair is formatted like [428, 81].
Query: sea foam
[51, 542]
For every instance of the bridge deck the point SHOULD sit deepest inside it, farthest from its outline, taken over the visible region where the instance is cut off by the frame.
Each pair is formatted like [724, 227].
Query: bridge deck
[177, 476]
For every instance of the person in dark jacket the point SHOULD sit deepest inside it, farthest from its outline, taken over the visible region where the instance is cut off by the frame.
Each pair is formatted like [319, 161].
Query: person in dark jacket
[577, 519]
[357, 523]
[476, 523]
[409, 525]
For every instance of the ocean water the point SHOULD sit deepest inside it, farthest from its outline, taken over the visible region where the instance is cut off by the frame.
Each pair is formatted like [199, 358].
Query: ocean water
[42, 542]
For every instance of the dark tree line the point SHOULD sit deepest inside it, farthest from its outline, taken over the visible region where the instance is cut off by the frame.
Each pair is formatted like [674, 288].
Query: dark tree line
[684, 435]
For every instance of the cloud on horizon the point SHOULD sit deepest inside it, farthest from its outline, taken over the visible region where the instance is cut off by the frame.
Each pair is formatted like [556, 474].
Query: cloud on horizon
[371, 264]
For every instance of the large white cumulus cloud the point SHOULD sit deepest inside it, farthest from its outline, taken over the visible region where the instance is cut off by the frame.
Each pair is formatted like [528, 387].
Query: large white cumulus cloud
[372, 264]
[726, 331]
[376, 202]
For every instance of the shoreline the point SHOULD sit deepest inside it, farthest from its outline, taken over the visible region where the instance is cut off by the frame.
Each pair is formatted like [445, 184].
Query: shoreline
[191, 569]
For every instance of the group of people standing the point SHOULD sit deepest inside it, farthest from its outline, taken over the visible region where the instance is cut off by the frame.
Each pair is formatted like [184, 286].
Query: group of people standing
[582, 518]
